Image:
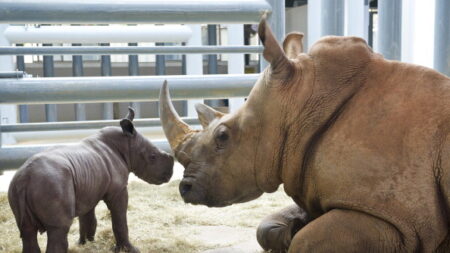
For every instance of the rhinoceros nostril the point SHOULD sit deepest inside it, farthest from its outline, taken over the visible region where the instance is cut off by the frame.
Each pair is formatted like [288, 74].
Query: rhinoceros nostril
[185, 188]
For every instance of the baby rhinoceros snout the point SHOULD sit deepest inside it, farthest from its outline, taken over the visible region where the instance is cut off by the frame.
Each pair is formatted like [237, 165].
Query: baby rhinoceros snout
[167, 167]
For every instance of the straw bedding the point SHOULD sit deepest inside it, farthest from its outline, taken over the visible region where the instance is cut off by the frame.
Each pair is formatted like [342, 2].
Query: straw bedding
[159, 221]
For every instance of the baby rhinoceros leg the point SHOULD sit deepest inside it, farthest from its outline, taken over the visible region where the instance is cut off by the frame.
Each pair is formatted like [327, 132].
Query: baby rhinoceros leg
[88, 225]
[276, 231]
[117, 205]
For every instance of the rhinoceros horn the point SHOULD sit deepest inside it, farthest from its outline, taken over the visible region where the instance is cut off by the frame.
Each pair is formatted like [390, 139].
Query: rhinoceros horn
[175, 129]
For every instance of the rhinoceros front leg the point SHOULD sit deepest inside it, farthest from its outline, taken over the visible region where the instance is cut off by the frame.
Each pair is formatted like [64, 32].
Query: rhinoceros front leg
[118, 208]
[88, 225]
[348, 231]
[275, 232]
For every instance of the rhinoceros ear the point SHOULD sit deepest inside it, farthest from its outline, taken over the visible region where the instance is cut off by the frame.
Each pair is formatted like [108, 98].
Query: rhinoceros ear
[293, 44]
[206, 114]
[127, 124]
[272, 50]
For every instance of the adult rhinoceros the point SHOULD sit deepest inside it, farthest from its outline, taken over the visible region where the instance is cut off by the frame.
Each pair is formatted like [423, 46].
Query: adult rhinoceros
[360, 143]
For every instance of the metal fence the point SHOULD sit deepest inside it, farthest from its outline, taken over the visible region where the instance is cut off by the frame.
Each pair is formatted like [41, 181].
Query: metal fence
[19, 89]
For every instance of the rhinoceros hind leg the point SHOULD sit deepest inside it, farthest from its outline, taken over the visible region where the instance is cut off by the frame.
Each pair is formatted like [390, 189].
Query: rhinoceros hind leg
[348, 231]
[29, 239]
[275, 232]
[88, 226]
[57, 239]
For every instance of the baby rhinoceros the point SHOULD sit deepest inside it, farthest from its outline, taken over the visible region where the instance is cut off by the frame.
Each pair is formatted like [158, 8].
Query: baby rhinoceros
[58, 184]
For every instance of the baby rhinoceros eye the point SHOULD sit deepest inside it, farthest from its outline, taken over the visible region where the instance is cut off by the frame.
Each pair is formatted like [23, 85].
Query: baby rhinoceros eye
[152, 157]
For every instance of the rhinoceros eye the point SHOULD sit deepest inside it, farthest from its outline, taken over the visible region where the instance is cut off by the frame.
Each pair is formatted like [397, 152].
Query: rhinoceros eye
[221, 136]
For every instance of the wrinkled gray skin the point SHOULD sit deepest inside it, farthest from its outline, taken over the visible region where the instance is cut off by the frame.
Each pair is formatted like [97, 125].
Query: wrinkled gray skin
[61, 183]
[360, 143]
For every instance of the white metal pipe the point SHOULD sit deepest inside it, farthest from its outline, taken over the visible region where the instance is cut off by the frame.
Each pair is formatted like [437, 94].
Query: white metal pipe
[122, 89]
[99, 50]
[97, 34]
[442, 37]
[8, 112]
[77, 125]
[390, 28]
[194, 65]
[356, 18]
[132, 11]
[235, 62]
[13, 157]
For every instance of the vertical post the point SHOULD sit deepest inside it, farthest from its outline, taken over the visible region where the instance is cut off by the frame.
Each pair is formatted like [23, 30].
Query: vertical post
[389, 28]
[442, 37]
[212, 41]
[212, 58]
[235, 61]
[133, 70]
[277, 22]
[160, 66]
[8, 113]
[23, 109]
[77, 70]
[314, 21]
[49, 71]
[356, 18]
[183, 61]
[184, 104]
[194, 64]
[332, 17]
[370, 35]
[108, 108]
[1, 130]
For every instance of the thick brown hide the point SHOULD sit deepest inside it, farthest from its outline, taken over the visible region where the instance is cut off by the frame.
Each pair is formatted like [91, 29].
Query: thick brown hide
[359, 142]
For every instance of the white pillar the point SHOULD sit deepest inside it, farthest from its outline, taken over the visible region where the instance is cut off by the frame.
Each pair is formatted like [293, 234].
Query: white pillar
[314, 22]
[356, 18]
[418, 18]
[194, 64]
[8, 112]
[236, 64]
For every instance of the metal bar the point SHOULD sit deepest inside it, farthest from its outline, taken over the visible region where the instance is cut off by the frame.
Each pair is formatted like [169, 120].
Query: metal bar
[23, 109]
[77, 70]
[390, 28]
[442, 37]
[88, 50]
[97, 34]
[133, 70]
[49, 71]
[332, 17]
[11, 74]
[160, 65]
[133, 12]
[122, 89]
[14, 157]
[76, 125]
[108, 108]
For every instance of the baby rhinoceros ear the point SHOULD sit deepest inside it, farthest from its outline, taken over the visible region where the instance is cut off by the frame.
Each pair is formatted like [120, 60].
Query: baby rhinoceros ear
[127, 123]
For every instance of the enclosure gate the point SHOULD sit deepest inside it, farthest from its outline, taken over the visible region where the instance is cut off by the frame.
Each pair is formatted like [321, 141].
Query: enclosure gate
[28, 90]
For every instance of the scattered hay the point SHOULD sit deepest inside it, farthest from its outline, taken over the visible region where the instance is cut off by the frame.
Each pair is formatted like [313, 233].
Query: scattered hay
[158, 220]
